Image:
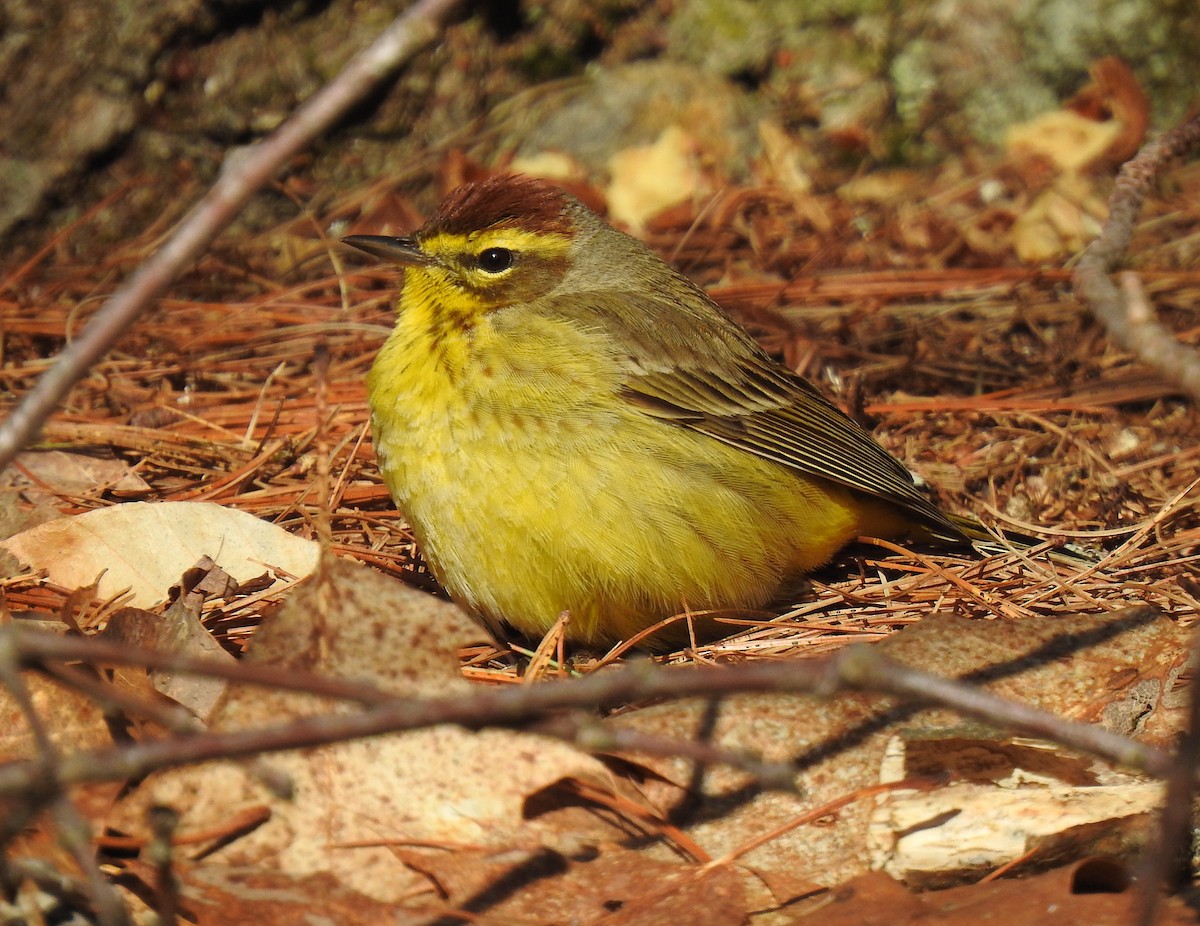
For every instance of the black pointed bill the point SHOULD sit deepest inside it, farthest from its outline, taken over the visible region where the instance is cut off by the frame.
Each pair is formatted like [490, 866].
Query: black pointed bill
[398, 250]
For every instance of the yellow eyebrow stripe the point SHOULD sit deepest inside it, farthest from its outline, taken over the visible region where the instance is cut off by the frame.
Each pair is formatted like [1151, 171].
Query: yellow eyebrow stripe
[547, 244]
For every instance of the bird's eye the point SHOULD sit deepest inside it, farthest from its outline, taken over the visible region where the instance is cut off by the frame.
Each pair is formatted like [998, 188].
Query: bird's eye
[495, 260]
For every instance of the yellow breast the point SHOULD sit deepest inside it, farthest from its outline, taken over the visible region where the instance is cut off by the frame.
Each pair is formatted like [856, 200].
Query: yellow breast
[534, 488]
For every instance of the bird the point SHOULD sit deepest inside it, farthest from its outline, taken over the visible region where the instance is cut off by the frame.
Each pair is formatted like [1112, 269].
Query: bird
[569, 425]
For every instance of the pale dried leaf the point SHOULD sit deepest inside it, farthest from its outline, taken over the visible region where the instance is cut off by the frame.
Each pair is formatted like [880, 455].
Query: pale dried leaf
[1060, 222]
[442, 785]
[72, 720]
[1119, 670]
[967, 831]
[1068, 140]
[178, 630]
[648, 179]
[1011, 798]
[144, 547]
[782, 161]
[550, 165]
[43, 475]
[618, 887]
[881, 186]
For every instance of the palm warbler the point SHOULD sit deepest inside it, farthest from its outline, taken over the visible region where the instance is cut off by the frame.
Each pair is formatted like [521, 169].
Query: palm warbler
[570, 425]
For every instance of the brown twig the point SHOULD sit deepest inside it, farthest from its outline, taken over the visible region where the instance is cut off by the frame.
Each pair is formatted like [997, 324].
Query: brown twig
[163, 823]
[244, 173]
[35, 646]
[74, 832]
[1165, 863]
[1131, 320]
[591, 735]
[853, 668]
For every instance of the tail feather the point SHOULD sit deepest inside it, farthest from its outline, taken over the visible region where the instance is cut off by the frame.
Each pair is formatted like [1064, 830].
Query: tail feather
[988, 542]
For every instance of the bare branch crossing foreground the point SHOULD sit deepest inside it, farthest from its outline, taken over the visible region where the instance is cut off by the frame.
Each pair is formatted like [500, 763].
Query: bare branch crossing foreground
[854, 668]
[1129, 318]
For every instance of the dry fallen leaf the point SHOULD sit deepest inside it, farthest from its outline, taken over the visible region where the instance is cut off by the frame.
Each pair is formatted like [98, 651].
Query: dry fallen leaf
[177, 630]
[1115, 94]
[72, 720]
[42, 475]
[881, 186]
[441, 785]
[144, 547]
[1095, 892]
[1118, 670]
[214, 895]
[1068, 140]
[550, 165]
[648, 179]
[618, 887]
[1061, 221]
[1011, 797]
[782, 161]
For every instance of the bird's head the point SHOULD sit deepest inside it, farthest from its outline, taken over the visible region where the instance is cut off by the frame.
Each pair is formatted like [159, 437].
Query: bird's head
[504, 240]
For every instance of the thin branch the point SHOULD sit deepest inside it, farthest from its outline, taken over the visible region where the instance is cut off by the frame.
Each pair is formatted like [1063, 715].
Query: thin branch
[1131, 321]
[160, 852]
[35, 646]
[1165, 863]
[590, 734]
[859, 668]
[74, 832]
[244, 173]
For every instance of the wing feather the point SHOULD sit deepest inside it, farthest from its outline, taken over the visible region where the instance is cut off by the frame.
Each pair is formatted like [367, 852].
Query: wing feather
[689, 364]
